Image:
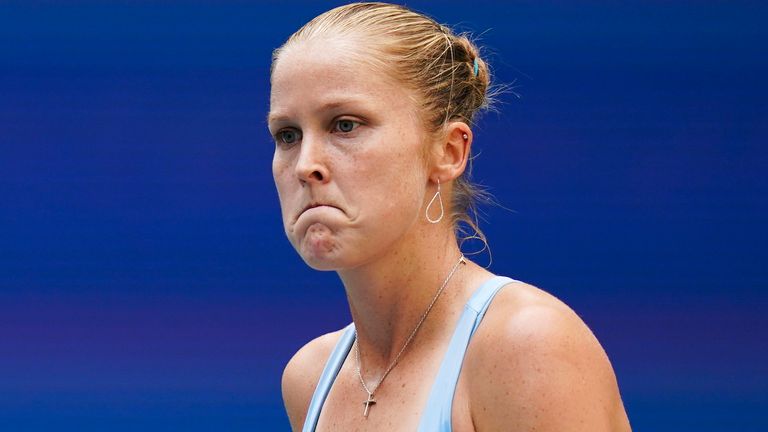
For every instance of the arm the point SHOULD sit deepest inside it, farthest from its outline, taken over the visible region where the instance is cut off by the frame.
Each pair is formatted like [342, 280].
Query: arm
[538, 367]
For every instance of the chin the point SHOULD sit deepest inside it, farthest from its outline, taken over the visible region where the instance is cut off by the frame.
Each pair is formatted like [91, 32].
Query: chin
[328, 261]
[319, 248]
[334, 258]
[320, 264]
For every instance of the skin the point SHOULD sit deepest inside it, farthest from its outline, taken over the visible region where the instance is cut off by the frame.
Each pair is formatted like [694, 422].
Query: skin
[354, 181]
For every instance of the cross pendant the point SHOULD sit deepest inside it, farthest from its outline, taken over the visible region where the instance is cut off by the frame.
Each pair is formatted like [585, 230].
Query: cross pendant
[368, 403]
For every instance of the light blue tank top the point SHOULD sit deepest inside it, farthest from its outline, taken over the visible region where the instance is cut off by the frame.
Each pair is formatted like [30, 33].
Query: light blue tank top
[437, 414]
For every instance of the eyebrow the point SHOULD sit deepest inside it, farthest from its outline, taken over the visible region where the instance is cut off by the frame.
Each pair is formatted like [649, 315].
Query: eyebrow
[336, 103]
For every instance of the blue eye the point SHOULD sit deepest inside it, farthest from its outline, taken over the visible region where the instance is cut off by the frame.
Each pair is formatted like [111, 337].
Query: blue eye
[288, 136]
[346, 125]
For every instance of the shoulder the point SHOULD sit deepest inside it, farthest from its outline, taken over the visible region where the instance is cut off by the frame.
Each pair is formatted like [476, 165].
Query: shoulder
[302, 373]
[535, 365]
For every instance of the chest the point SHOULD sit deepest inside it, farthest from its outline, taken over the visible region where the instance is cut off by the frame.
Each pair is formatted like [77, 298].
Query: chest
[400, 401]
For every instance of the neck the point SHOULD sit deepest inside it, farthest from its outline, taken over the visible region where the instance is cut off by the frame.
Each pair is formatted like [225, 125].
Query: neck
[388, 296]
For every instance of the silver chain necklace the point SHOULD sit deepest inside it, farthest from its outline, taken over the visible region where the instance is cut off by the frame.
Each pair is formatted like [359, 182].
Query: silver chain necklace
[371, 401]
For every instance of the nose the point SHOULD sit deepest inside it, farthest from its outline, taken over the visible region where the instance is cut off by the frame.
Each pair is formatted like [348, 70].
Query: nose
[311, 166]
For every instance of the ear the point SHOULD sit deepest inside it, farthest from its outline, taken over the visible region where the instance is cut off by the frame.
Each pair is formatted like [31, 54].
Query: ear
[451, 152]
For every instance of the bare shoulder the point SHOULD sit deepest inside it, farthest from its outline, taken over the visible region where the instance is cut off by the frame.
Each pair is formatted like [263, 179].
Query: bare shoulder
[302, 373]
[535, 365]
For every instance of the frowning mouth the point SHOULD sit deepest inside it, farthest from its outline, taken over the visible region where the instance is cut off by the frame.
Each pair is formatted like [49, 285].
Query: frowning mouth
[315, 205]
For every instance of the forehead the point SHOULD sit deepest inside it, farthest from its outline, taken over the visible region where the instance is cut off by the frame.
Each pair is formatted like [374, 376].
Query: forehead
[328, 72]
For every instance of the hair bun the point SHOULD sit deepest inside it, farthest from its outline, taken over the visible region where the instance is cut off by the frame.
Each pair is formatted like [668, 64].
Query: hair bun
[478, 77]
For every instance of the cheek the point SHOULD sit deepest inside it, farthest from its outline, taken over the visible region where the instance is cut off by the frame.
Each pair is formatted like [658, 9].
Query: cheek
[278, 166]
[281, 175]
[394, 186]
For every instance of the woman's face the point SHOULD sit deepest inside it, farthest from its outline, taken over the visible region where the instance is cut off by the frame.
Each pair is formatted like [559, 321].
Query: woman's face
[348, 161]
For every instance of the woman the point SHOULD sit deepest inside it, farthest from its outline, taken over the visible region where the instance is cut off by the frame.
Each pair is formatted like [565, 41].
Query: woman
[371, 110]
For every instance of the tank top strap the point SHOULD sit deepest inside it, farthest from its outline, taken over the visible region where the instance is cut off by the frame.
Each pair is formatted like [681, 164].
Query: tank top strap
[331, 370]
[437, 413]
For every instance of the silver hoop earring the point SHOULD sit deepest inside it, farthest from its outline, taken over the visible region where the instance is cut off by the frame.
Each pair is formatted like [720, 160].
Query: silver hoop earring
[439, 197]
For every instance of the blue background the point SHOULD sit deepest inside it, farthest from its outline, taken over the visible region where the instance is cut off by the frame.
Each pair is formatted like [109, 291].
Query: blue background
[145, 281]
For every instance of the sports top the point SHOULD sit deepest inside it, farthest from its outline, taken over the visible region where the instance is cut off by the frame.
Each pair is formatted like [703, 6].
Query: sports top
[437, 414]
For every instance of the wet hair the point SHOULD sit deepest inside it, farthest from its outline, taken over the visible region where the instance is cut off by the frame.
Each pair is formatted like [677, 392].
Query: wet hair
[443, 69]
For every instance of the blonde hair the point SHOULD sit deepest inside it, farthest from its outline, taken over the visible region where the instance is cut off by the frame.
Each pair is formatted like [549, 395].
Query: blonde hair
[444, 69]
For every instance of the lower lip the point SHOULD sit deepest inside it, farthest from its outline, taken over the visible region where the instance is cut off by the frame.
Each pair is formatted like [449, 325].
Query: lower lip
[318, 209]
[320, 214]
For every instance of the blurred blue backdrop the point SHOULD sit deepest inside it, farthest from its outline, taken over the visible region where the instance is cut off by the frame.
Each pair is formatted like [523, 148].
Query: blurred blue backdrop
[145, 281]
